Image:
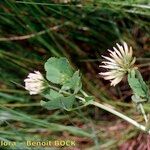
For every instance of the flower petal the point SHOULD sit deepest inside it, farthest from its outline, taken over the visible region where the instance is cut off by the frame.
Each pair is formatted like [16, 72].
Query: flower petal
[121, 49]
[117, 52]
[116, 81]
[109, 66]
[107, 58]
[109, 63]
[125, 48]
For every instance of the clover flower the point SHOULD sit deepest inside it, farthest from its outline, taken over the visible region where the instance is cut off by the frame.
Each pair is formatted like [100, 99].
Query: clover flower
[34, 83]
[118, 64]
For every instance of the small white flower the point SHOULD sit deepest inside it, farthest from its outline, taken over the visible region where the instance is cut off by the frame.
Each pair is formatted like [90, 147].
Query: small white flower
[118, 64]
[34, 83]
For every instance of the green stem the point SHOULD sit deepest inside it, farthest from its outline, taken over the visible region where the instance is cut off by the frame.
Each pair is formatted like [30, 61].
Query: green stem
[133, 122]
[104, 107]
[84, 93]
[143, 112]
[67, 93]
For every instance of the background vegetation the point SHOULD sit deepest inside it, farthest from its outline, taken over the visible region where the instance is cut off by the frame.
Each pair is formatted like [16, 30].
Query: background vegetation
[31, 31]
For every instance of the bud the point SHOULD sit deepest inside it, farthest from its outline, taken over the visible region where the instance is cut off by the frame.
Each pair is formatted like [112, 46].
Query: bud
[34, 83]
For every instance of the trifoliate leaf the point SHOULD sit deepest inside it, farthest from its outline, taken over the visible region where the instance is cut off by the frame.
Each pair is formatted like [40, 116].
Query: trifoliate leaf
[51, 94]
[59, 103]
[73, 83]
[143, 84]
[137, 84]
[136, 87]
[58, 70]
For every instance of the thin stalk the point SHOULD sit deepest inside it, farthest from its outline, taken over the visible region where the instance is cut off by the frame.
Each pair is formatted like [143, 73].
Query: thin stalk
[67, 93]
[131, 121]
[84, 93]
[102, 106]
[143, 112]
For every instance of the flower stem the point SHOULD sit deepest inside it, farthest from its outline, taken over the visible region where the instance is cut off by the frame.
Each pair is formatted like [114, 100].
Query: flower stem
[131, 121]
[143, 112]
[104, 107]
[67, 93]
[84, 93]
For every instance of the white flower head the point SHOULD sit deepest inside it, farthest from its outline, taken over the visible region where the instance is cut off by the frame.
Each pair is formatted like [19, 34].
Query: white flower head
[118, 64]
[34, 83]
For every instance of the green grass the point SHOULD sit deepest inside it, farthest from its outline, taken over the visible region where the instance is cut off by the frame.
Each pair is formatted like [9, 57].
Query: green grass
[32, 31]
